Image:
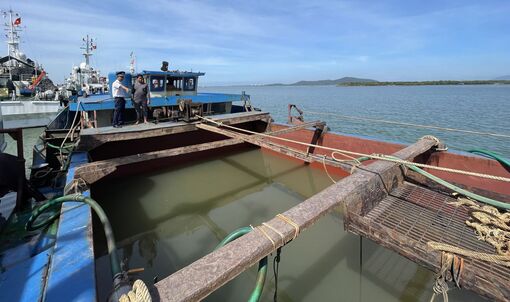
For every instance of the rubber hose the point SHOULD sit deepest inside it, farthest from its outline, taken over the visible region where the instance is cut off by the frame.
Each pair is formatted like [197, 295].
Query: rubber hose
[262, 271]
[483, 199]
[505, 162]
[110, 240]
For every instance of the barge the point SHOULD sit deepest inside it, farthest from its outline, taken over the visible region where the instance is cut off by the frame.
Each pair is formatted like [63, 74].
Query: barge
[387, 192]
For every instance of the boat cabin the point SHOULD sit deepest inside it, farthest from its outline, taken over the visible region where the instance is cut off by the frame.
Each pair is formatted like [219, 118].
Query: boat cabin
[172, 83]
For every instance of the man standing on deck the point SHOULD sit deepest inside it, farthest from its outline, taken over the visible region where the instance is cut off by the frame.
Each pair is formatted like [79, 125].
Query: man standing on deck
[119, 93]
[140, 99]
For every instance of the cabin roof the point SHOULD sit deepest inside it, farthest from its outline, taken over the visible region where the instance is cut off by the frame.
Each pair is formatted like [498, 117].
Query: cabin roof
[174, 73]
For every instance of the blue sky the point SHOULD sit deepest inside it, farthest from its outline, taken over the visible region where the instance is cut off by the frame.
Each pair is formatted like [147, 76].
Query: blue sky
[250, 42]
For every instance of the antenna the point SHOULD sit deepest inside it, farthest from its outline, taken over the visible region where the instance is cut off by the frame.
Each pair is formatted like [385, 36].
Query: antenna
[132, 63]
[88, 46]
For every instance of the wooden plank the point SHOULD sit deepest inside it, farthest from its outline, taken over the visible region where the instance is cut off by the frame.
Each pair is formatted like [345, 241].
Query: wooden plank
[199, 279]
[93, 172]
[93, 137]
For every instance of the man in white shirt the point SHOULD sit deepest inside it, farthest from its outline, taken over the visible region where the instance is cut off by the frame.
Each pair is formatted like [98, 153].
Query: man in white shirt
[119, 93]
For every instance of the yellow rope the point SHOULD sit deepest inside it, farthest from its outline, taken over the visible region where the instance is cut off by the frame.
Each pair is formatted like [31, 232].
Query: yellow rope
[326, 169]
[139, 293]
[267, 235]
[292, 223]
[493, 258]
[373, 156]
[408, 124]
[276, 231]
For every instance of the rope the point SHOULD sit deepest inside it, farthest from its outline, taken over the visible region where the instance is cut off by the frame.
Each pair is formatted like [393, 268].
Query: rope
[492, 258]
[372, 156]
[326, 169]
[267, 235]
[292, 223]
[276, 231]
[440, 286]
[409, 124]
[139, 293]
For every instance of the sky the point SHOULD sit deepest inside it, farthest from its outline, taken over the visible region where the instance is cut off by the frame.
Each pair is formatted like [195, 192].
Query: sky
[257, 42]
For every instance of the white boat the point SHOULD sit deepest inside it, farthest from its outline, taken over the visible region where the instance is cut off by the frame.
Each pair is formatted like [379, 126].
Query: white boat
[26, 92]
[85, 79]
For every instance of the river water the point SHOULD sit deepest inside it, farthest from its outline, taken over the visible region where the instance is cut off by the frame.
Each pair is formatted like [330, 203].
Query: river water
[484, 108]
[166, 220]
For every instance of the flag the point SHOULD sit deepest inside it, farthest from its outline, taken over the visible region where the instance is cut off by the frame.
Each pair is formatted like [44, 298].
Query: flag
[17, 21]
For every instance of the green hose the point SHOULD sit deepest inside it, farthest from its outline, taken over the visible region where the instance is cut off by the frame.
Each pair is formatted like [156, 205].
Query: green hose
[262, 271]
[483, 199]
[52, 204]
[505, 162]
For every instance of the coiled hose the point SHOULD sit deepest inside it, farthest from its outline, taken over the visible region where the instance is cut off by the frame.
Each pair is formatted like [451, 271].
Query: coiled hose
[52, 204]
[262, 271]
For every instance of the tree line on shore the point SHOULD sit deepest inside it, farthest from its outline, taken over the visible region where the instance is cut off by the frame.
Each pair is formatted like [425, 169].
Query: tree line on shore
[426, 83]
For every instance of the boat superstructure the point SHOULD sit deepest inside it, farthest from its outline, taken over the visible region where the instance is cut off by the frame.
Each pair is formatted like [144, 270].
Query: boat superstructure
[381, 192]
[84, 78]
[19, 75]
[26, 92]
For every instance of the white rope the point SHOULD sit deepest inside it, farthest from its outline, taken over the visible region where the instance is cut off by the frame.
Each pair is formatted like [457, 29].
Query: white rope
[372, 156]
[407, 124]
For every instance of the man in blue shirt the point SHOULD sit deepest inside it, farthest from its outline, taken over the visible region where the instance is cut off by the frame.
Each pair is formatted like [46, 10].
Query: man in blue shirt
[119, 93]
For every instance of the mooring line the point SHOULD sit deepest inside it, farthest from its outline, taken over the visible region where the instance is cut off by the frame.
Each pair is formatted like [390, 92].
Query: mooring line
[407, 124]
[372, 156]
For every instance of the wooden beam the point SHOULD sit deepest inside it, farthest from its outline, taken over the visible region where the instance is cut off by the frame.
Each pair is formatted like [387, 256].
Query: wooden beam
[197, 280]
[94, 171]
[94, 137]
[264, 143]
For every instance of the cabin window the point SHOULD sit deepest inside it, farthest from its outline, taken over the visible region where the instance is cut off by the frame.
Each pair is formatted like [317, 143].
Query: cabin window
[156, 83]
[174, 84]
[189, 84]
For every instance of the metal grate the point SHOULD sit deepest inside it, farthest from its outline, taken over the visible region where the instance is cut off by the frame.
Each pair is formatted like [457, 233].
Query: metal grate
[423, 215]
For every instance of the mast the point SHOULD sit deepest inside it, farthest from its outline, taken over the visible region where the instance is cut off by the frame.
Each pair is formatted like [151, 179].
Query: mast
[88, 46]
[12, 30]
[132, 63]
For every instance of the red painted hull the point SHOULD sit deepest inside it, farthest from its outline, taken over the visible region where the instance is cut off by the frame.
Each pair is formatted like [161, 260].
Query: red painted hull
[443, 159]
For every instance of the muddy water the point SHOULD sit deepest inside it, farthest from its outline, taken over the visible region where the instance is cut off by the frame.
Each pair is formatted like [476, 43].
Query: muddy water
[166, 220]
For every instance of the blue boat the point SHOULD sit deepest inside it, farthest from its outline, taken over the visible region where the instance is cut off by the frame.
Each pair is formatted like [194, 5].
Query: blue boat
[56, 262]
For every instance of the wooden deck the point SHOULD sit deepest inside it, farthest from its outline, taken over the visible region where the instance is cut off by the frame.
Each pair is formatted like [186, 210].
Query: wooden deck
[91, 138]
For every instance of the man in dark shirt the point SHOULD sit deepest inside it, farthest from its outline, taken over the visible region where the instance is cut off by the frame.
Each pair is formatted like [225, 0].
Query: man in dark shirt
[141, 99]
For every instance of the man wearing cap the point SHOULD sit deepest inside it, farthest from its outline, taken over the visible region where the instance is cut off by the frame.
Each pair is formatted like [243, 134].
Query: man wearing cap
[119, 93]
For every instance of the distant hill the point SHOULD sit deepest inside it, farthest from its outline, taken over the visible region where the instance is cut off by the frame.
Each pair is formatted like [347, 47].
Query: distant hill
[326, 82]
[503, 78]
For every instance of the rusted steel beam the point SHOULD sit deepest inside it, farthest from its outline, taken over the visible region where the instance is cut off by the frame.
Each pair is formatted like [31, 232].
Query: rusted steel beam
[199, 279]
[264, 143]
[94, 171]
[316, 135]
[299, 127]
